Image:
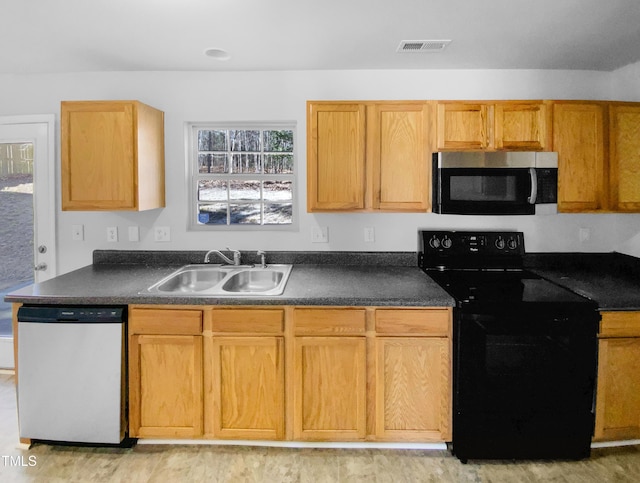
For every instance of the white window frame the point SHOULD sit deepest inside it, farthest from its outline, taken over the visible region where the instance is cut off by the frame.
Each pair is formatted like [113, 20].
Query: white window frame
[193, 175]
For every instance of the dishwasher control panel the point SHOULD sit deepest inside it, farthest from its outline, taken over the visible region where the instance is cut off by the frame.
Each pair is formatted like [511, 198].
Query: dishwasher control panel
[41, 313]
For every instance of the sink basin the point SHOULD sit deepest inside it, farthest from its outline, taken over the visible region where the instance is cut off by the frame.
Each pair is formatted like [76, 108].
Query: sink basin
[223, 280]
[192, 280]
[253, 281]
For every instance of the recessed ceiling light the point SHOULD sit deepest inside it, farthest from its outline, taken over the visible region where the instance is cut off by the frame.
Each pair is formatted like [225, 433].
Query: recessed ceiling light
[219, 54]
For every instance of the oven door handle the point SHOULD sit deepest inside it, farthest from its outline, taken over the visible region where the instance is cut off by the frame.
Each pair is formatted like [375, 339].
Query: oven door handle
[534, 186]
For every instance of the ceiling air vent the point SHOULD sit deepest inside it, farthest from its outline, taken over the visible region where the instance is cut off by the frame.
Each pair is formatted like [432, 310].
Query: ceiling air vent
[423, 45]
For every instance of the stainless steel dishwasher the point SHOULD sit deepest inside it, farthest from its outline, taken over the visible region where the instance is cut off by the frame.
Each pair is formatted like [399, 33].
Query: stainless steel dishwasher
[71, 379]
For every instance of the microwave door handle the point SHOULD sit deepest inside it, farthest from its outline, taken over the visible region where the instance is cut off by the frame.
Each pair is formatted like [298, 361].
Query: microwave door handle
[534, 186]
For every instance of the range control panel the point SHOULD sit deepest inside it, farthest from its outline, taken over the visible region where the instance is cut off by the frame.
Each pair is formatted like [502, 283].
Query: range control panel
[470, 249]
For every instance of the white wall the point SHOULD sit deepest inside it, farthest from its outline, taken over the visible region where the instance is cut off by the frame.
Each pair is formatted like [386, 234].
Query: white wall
[242, 96]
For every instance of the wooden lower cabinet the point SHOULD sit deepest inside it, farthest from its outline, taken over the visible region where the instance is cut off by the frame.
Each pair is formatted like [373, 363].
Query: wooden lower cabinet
[165, 373]
[247, 401]
[618, 389]
[330, 388]
[413, 383]
[295, 373]
[413, 388]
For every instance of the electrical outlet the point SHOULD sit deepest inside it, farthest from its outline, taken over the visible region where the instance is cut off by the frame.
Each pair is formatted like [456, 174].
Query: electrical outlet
[77, 232]
[319, 234]
[162, 234]
[369, 234]
[112, 234]
[584, 234]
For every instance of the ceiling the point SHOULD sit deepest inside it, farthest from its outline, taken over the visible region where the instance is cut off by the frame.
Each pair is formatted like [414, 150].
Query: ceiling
[46, 36]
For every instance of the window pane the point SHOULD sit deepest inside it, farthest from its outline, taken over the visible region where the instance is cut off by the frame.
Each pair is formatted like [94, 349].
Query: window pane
[281, 140]
[241, 140]
[277, 190]
[278, 214]
[245, 214]
[244, 190]
[212, 141]
[278, 163]
[213, 163]
[212, 190]
[247, 163]
[213, 214]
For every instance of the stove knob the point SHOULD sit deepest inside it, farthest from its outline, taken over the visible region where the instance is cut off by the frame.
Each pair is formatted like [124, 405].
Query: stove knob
[434, 242]
[446, 242]
[512, 243]
[500, 244]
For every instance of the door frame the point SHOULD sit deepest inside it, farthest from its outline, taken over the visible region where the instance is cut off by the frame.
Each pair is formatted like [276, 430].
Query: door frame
[44, 186]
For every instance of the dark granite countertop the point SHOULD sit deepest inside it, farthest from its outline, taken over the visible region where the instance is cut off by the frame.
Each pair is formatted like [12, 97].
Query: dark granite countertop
[612, 280]
[360, 279]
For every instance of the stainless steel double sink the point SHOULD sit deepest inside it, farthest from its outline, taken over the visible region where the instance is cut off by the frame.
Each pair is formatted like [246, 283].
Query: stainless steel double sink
[223, 280]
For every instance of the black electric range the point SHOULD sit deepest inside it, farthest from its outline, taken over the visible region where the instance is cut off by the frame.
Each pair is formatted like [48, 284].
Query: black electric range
[524, 350]
[485, 270]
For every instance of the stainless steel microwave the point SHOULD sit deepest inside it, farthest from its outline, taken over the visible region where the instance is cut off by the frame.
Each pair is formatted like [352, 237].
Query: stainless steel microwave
[495, 183]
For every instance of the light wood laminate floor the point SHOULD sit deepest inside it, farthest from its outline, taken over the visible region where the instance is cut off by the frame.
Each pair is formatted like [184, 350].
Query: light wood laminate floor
[208, 463]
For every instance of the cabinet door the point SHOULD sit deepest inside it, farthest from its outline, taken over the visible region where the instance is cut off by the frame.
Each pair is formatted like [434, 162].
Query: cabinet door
[165, 397]
[463, 126]
[618, 392]
[522, 126]
[578, 137]
[624, 141]
[98, 166]
[335, 156]
[413, 389]
[248, 387]
[330, 388]
[399, 156]
[112, 156]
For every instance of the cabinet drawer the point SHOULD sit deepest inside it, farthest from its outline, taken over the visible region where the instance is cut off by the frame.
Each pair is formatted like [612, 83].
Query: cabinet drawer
[263, 321]
[329, 321]
[430, 322]
[620, 324]
[160, 321]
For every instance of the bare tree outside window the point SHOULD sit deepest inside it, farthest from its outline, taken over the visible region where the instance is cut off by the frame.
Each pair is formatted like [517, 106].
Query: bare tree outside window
[243, 176]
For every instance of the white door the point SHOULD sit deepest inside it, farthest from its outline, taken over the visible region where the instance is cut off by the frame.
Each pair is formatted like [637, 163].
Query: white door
[37, 132]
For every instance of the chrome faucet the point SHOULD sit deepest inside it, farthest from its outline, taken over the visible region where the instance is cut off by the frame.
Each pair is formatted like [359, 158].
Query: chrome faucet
[236, 256]
[262, 254]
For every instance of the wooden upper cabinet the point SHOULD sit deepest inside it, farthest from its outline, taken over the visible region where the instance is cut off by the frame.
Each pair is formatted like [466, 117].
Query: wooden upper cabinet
[365, 156]
[489, 126]
[624, 159]
[522, 126]
[335, 156]
[112, 156]
[399, 156]
[578, 138]
[463, 126]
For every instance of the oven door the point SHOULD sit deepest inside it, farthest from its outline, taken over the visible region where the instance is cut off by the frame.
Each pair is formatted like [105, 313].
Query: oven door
[485, 191]
[524, 385]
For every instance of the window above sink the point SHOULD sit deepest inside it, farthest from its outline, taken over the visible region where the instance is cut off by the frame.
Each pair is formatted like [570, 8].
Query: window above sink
[242, 176]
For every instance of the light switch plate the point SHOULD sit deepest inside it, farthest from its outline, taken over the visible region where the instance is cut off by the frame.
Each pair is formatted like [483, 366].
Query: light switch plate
[369, 234]
[134, 234]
